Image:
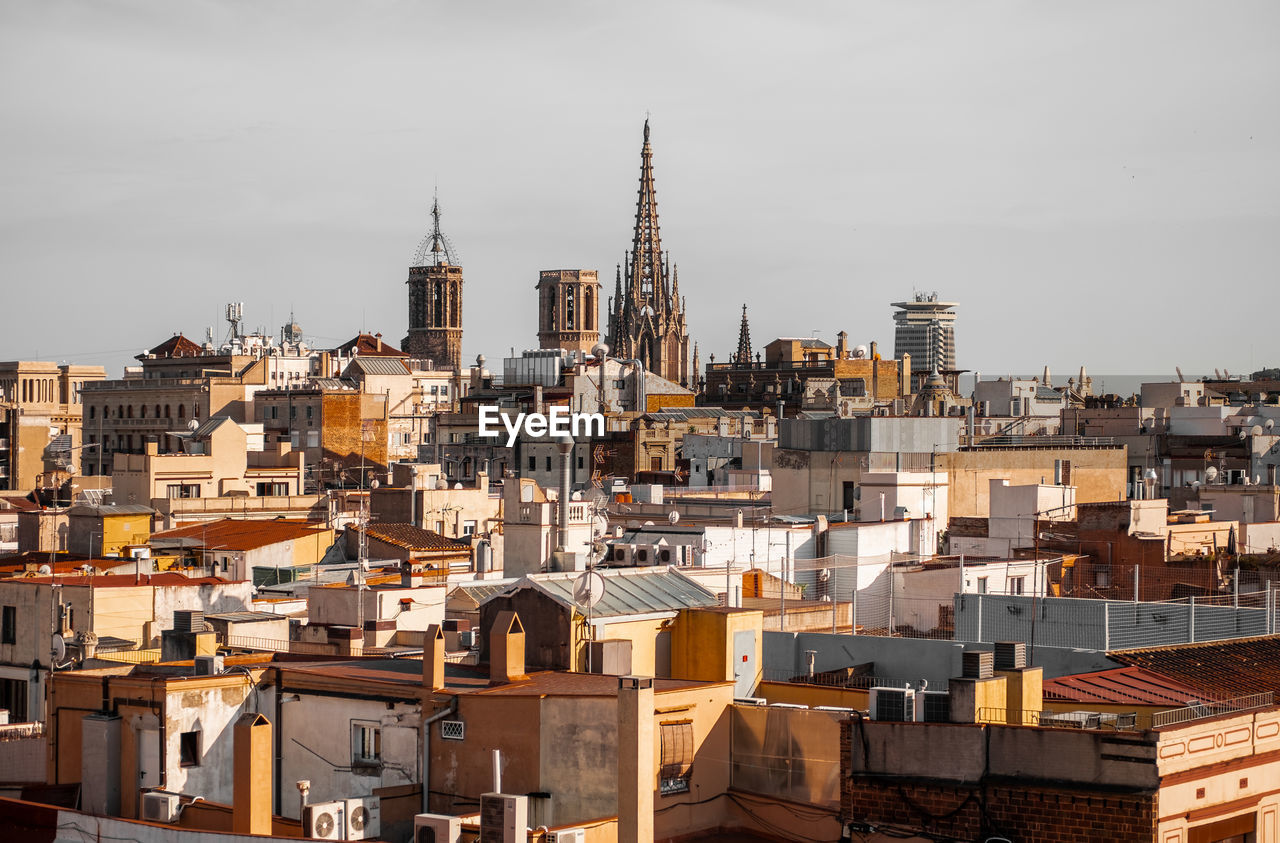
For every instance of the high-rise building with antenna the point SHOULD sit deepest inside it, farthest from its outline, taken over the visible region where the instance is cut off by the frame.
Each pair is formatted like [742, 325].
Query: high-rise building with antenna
[435, 300]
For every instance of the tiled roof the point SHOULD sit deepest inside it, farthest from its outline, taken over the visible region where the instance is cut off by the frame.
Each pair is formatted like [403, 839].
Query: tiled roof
[177, 346]
[240, 534]
[637, 591]
[1216, 669]
[367, 344]
[563, 683]
[414, 538]
[1120, 686]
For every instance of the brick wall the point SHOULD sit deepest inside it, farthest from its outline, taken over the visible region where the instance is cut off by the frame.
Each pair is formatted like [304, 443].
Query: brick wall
[1020, 812]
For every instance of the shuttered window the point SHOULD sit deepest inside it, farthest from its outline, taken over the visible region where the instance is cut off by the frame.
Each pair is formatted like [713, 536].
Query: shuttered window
[677, 756]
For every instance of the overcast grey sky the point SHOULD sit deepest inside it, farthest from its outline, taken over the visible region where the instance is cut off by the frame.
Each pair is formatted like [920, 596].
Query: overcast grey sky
[1094, 182]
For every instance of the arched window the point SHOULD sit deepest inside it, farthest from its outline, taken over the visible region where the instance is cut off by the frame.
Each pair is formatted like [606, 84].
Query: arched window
[182, 411]
[195, 411]
[157, 411]
[142, 411]
[129, 411]
[570, 306]
[166, 411]
[93, 412]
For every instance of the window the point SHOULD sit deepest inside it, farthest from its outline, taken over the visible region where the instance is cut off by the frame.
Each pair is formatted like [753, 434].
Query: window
[579, 462]
[92, 412]
[366, 744]
[183, 490]
[189, 749]
[548, 463]
[982, 585]
[13, 696]
[533, 463]
[468, 527]
[435, 390]
[271, 490]
[310, 410]
[9, 625]
[1017, 585]
[444, 391]
[677, 757]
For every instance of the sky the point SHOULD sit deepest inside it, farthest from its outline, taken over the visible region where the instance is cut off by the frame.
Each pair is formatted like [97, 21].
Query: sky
[1095, 183]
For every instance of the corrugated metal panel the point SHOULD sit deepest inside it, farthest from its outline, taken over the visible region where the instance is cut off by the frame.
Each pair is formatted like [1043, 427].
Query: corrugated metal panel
[627, 593]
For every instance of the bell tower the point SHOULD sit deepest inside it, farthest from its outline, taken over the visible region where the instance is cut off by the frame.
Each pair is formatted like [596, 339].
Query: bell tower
[435, 300]
[568, 309]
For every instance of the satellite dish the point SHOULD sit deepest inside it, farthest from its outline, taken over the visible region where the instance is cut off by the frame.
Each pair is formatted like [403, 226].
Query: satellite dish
[45, 570]
[673, 517]
[59, 651]
[1149, 474]
[1210, 474]
[599, 350]
[192, 425]
[859, 352]
[588, 589]
[374, 484]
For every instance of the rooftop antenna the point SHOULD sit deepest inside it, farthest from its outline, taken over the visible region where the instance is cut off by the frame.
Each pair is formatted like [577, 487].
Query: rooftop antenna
[234, 317]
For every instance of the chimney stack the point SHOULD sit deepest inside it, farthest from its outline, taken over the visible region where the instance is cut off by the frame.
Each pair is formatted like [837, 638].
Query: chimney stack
[635, 759]
[378, 337]
[506, 648]
[433, 658]
[251, 761]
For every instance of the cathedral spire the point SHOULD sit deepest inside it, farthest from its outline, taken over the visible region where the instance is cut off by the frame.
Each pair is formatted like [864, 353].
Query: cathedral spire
[647, 271]
[743, 356]
[435, 249]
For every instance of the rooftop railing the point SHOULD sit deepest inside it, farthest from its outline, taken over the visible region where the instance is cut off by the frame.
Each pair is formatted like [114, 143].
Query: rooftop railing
[1216, 708]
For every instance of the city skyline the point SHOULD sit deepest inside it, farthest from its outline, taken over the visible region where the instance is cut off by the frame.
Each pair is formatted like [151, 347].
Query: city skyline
[1086, 211]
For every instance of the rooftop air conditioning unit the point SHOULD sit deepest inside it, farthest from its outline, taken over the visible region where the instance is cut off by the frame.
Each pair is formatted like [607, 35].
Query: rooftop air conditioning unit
[160, 807]
[933, 707]
[467, 639]
[364, 818]
[567, 835]
[208, 665]
[643, 555]
[324, 820]
[895, 704]
[665, 555]
[750, 701]
[620, 554]
[436, 828]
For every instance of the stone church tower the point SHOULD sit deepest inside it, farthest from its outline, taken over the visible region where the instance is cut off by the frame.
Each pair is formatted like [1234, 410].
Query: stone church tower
[435, 301]
[568, 309]
[646, 312]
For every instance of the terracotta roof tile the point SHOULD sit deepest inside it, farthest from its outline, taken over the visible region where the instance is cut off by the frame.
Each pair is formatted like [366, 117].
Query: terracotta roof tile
[367, 344]
[414, 538]
[1216, 669]
[177, 346]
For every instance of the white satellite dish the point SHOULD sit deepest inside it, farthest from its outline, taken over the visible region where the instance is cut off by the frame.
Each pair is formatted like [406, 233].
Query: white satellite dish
[192, 425]
[673, 517]
[45, 570]
[59, 650]
[588, 589]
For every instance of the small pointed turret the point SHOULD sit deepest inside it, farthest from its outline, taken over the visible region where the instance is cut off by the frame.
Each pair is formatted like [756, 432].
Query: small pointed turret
[743, 357]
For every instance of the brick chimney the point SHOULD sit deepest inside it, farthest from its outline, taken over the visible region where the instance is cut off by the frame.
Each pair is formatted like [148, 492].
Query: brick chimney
[378, 338]
[506, 648]
[433, 658]
[251, 761]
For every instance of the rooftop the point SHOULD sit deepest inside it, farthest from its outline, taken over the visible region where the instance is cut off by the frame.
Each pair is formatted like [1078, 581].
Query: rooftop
[369, 344]
[1120, 686]
[240, 534]
[1215, 669]
[636, 591]
[414, 538]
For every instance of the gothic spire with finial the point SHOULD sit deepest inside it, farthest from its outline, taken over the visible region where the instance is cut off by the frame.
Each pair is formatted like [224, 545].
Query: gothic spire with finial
[646, 271]
[743, 356]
